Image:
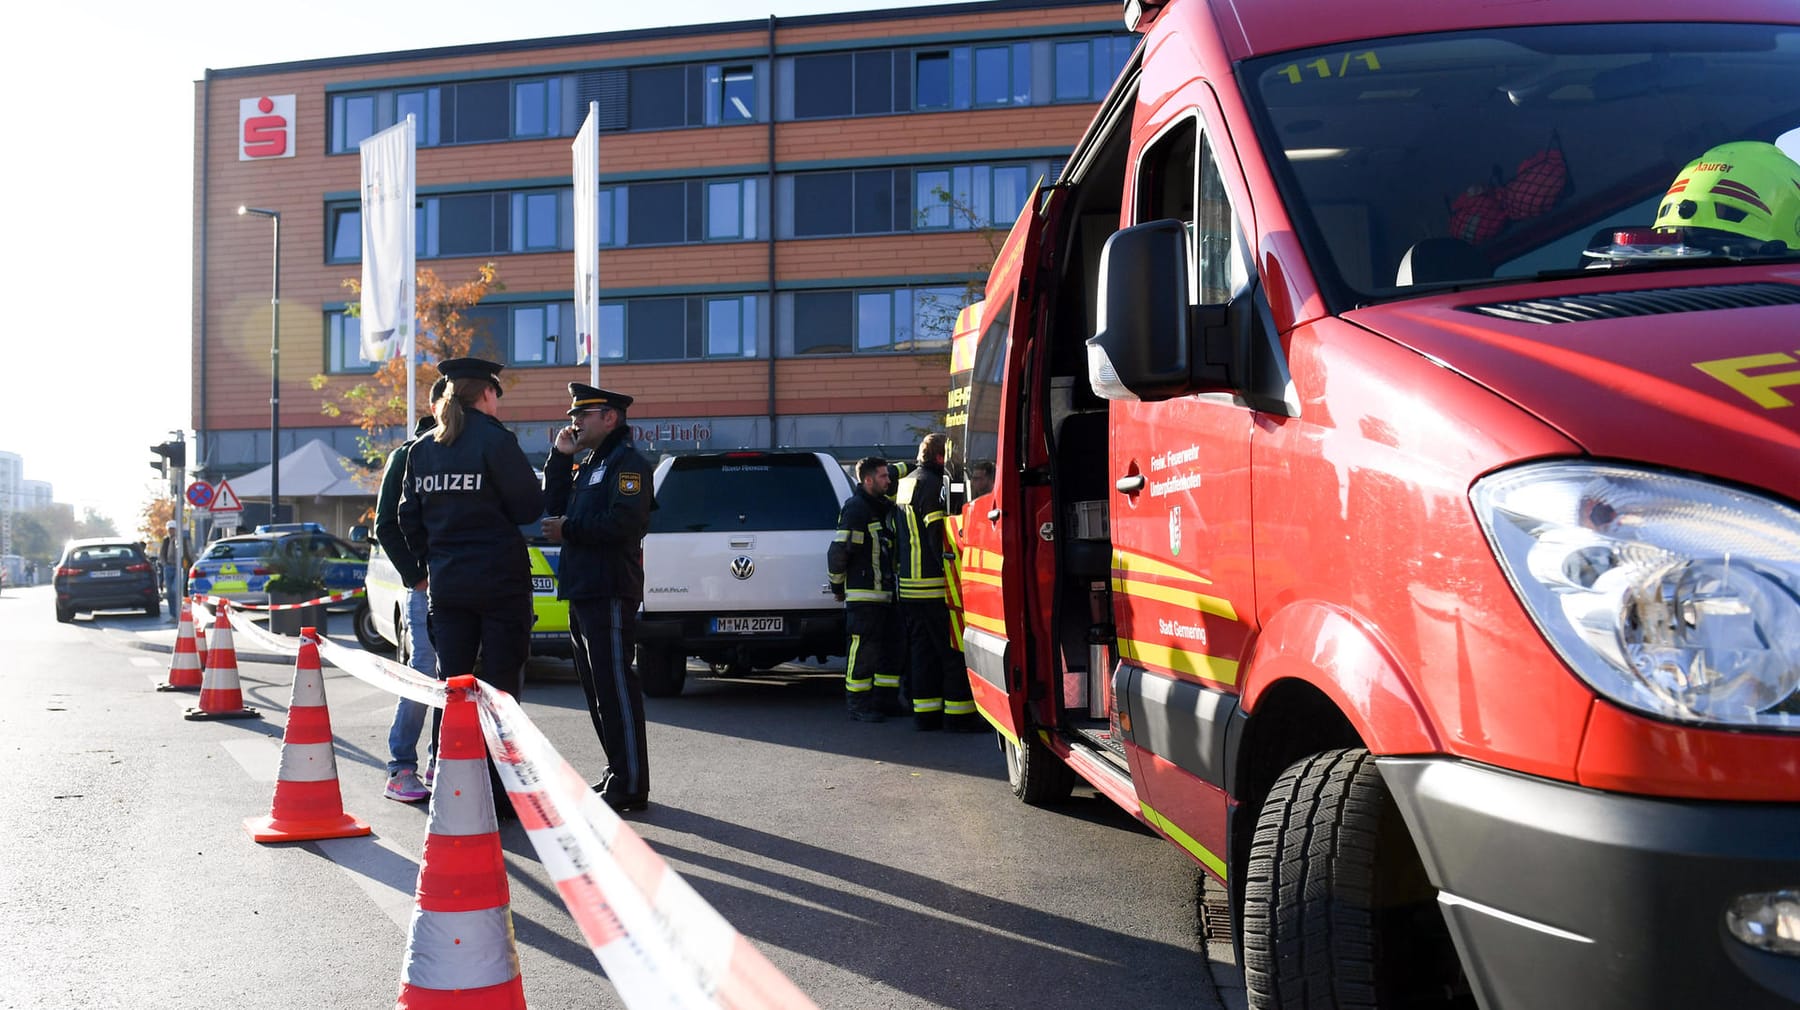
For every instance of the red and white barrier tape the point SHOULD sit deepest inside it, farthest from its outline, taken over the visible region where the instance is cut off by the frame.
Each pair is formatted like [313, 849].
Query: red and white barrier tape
[657, 939]
[348, 594]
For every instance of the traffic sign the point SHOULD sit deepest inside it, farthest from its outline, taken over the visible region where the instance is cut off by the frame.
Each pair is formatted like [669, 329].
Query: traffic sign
[200, 494]
[225, 499]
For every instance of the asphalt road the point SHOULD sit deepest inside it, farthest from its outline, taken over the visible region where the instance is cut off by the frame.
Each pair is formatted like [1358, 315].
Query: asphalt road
[877, 866]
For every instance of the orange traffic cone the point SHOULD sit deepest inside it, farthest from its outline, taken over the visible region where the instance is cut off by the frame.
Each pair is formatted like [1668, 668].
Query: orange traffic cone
[459, 948]
[220, 695]
[308, 804]
[184, 666]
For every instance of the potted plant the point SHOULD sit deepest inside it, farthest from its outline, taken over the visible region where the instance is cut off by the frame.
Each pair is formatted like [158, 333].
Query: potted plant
[296, 575]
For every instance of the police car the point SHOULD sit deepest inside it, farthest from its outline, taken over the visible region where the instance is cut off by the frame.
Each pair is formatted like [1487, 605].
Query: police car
[238, 568]
[387, 601]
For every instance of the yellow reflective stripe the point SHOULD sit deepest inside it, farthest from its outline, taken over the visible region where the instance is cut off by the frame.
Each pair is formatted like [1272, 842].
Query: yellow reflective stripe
[936, 583]
[1225, 671]
[1138, 564]
[959, 707]
[1183, 839]
[1186, 599]
[843, 537]
[916, 558]
[928, 704]
[985, 623]
[856, 536]
[837, 578]
[868, 596]
[981, 578]
[887, 680]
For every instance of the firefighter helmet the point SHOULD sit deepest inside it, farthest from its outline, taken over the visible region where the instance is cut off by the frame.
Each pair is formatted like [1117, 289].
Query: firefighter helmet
[1748, 188]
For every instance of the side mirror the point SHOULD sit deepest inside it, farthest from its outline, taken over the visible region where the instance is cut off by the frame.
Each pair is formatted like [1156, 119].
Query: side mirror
[1150, 344]
[359, 534]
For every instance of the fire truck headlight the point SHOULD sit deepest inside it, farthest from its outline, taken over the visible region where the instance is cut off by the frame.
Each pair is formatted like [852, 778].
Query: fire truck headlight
[1667, 594]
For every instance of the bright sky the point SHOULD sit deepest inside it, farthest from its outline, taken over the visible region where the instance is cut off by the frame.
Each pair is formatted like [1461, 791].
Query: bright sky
[99, 248]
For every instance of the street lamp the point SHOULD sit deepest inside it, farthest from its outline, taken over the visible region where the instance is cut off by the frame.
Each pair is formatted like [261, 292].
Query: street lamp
[274, 365]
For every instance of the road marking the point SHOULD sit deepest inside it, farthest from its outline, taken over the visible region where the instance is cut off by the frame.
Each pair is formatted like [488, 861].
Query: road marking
[260, 758]
[383, 871]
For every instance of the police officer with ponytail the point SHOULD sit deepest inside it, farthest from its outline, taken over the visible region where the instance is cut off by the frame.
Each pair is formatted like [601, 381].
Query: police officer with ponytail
[468, 489]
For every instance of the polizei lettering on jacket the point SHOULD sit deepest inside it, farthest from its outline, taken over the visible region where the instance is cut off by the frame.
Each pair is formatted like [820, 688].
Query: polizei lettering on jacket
[447, 482]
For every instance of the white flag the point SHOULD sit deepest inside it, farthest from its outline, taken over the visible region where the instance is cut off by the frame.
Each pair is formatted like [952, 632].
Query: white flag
[587, 235]
[387, 242]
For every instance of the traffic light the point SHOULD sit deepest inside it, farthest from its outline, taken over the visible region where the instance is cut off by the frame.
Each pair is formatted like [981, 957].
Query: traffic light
[172, 455]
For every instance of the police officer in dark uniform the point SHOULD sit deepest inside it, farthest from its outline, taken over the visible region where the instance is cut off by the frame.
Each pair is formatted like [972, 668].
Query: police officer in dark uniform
[859, 564]
[468, 488]
[597, 490]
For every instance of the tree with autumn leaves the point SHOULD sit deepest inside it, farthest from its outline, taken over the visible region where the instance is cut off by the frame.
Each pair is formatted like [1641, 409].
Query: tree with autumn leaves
[377, 405]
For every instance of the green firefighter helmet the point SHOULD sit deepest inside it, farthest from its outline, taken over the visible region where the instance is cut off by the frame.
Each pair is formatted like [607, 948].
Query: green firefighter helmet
[1747, 187]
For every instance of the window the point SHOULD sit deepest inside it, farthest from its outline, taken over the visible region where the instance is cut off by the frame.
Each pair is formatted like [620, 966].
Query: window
[537, 107]
[1085, 71]
[470, 225]
[822, 86]
[655, 329]
[658, 98]
[934, 85]
[343, 344]
[346, 235]
[1215, 231]
[480, 112]
[970, 196]
[875, 83]
[543, 334]
[874, 202]
[541, 221]
[1003, 75]
[731, 327]
[823, 203]
[731, 94]
[609, 336]
[821, 322]
[472, 112]
[658, 213]
[872, 321]
[354, 122]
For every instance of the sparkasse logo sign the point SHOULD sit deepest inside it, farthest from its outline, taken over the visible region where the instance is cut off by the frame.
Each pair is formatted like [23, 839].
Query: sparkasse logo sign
[266, 128]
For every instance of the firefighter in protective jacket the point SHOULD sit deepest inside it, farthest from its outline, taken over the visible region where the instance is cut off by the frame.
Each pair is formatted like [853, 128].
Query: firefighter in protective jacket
[859, 566]
[936, 679]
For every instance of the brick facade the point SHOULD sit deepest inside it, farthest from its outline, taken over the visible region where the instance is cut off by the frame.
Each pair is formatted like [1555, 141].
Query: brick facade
[232, 253]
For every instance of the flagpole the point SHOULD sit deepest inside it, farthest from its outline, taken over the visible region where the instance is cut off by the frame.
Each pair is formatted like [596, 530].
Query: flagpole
[412, 382]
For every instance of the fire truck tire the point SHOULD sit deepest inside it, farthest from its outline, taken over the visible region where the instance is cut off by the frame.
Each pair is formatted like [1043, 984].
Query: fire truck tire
[1332, 883]
[1034, 772]
[662, 669]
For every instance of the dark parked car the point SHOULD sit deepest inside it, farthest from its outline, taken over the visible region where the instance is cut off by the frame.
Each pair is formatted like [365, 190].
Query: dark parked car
[104, 574]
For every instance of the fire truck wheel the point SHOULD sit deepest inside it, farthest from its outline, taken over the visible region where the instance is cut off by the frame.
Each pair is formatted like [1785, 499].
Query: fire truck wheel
[1336, 905]
[1035, 773]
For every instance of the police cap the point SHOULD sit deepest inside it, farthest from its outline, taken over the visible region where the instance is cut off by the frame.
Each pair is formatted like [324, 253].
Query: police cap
[585, 397]
[472, 368]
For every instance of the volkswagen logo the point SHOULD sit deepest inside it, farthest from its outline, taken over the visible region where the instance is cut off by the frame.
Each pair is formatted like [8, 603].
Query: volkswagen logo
[742, 567]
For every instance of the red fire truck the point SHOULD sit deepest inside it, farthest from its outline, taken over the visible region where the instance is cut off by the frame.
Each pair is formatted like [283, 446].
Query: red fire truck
[1393, 417]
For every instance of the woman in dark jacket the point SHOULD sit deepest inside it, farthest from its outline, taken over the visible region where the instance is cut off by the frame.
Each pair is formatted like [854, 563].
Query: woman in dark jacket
[468, 489]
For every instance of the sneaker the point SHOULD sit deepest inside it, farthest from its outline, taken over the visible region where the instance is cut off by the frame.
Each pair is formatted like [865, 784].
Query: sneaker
[404, 786]
[429, 774]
